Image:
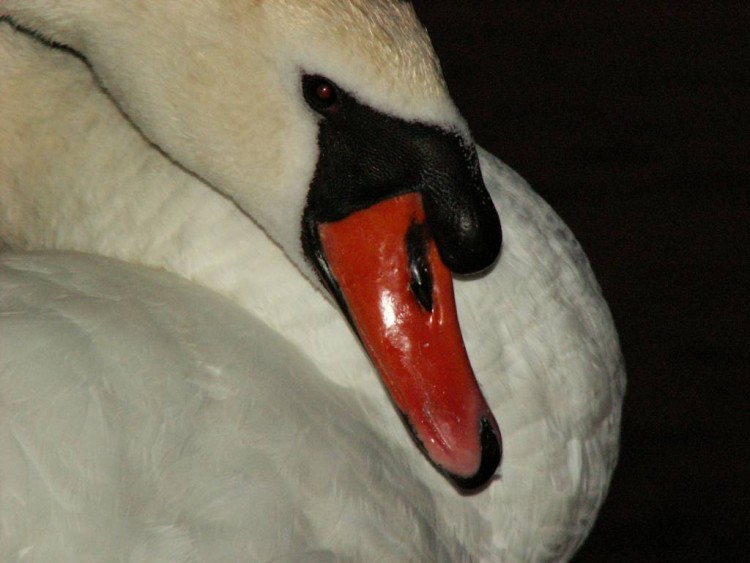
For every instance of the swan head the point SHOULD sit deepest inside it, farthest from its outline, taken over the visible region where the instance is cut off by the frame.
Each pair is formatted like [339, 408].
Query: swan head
[329, 123]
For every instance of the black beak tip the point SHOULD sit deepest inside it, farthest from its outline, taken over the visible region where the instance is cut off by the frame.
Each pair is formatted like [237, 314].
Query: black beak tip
[491, 455]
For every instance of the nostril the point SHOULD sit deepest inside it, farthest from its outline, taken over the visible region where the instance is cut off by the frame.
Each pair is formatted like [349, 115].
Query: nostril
[419, 267]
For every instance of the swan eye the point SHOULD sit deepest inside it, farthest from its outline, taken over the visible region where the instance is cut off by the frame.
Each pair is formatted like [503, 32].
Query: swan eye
[321, 94]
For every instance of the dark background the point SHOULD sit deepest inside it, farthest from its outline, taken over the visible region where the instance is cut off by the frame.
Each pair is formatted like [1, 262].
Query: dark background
[632, 119]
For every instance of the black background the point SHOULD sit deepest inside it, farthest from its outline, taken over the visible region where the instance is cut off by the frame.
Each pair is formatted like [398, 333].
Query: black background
[632, 119]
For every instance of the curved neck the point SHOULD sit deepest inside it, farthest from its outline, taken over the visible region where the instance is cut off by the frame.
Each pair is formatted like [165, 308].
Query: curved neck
[92, 183]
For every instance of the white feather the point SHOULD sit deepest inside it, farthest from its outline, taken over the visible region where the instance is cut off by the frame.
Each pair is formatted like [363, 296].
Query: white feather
[144, 417]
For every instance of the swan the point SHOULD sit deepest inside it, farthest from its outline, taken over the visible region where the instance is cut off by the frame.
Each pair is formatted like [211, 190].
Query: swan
[201, 420]
[170, 175]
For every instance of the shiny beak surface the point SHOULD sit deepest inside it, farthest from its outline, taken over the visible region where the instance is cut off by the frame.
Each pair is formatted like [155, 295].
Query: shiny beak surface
[385, 270]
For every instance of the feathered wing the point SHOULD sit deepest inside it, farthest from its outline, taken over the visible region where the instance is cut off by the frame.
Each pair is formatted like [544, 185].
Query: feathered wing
[149, 418]
[548, 357]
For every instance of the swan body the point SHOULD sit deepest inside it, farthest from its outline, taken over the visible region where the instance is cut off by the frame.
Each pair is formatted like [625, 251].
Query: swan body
[76, 175]
[152, 443]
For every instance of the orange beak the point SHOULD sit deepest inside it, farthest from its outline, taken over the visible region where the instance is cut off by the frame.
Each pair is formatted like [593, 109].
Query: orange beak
[387, 274]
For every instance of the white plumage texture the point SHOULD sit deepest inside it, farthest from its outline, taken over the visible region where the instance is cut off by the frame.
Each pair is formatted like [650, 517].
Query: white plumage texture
[145, 418]
[141, 420]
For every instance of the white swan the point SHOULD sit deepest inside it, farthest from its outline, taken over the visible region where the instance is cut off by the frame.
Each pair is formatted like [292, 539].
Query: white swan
[74, 174]
[136, 433]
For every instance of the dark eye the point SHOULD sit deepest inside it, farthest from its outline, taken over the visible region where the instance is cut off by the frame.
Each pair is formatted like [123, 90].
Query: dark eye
[321, 94]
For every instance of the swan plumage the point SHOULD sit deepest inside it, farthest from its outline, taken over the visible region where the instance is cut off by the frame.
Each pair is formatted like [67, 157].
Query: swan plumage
[152, 443]
[547, 358]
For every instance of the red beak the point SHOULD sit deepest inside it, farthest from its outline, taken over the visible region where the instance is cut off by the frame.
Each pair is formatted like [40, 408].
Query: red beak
[399, 297]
